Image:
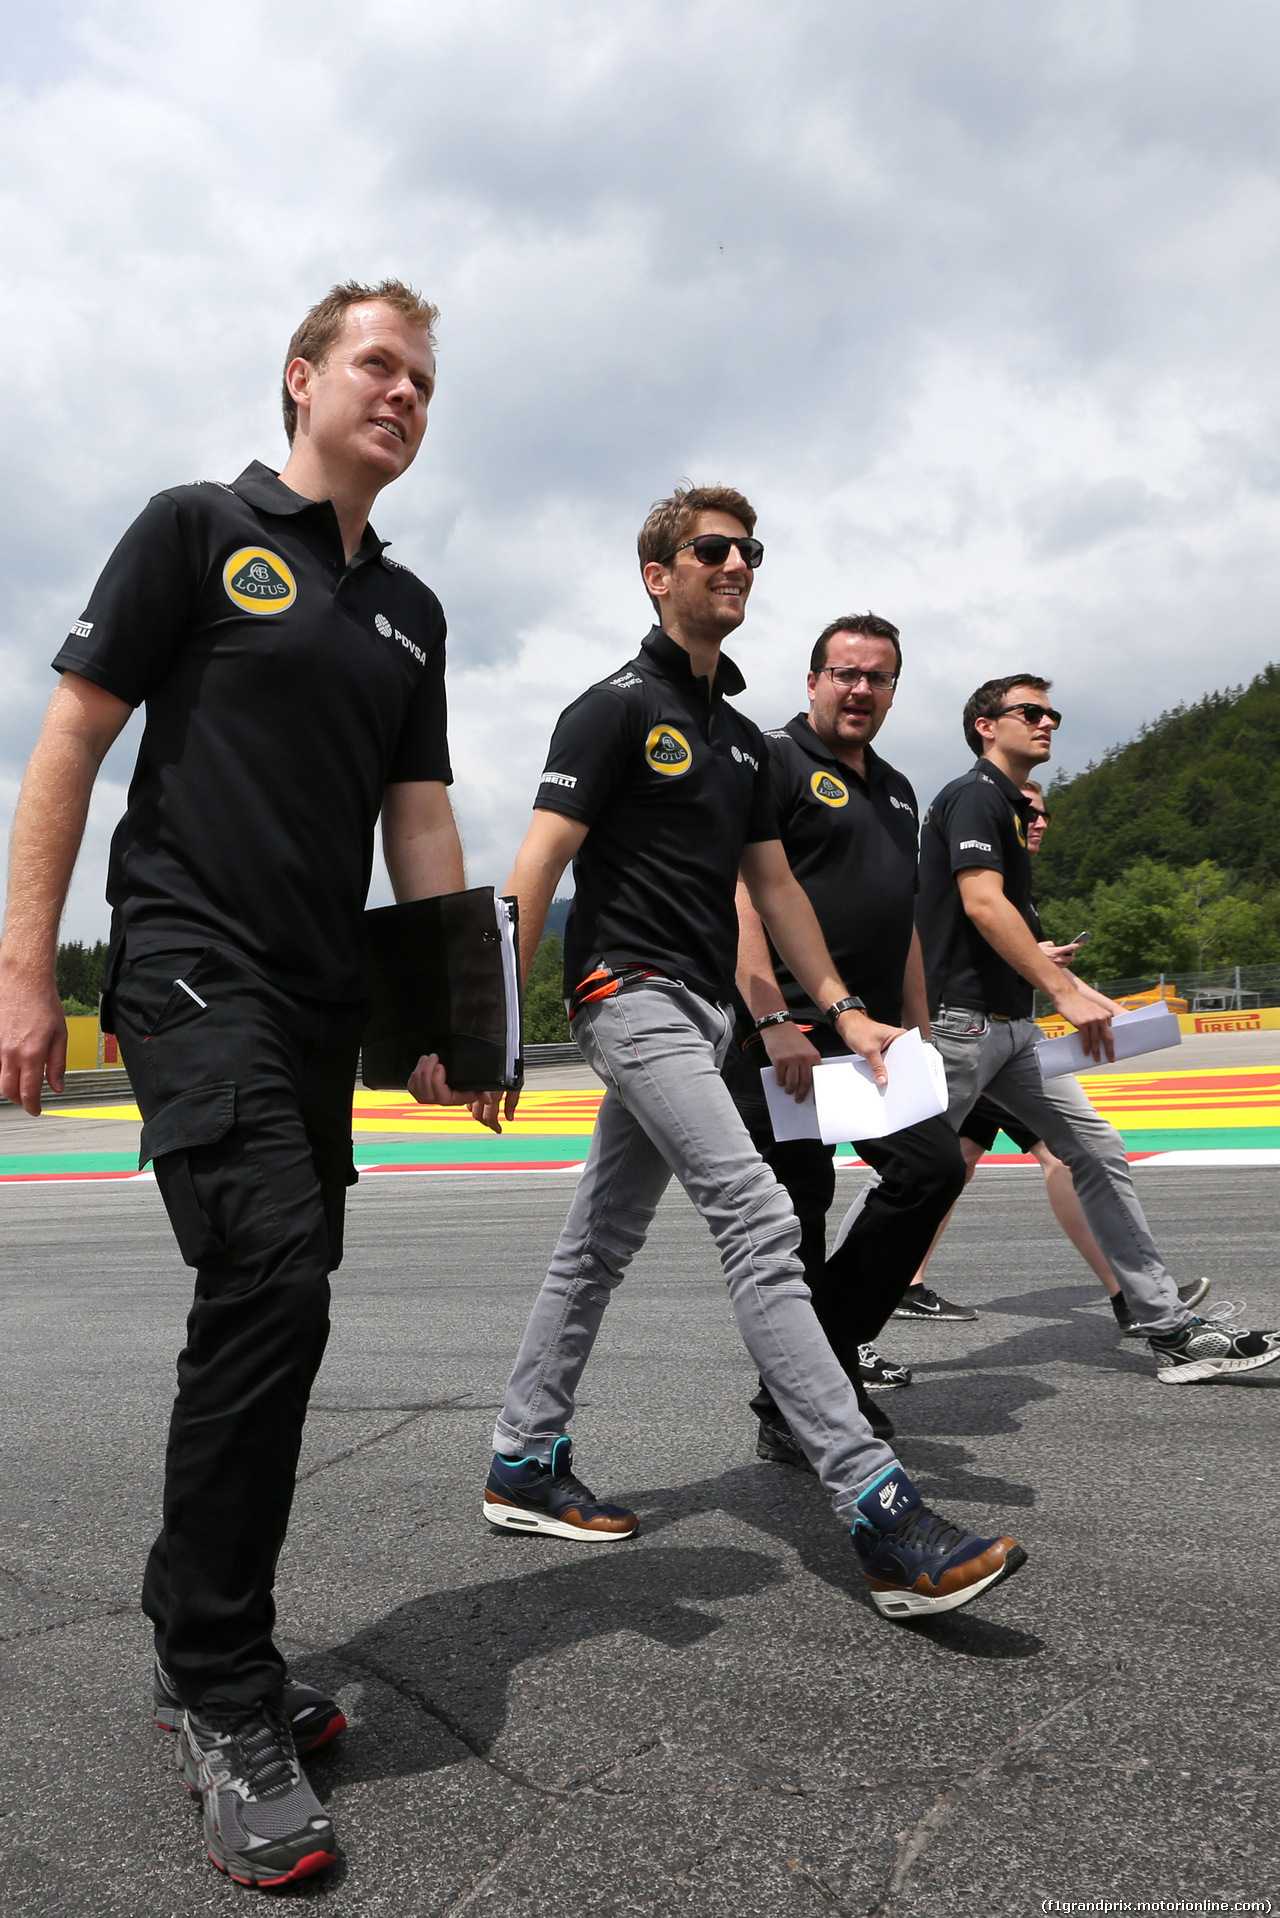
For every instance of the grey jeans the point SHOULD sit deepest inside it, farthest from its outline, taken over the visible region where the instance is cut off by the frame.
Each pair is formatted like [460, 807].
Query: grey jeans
[998, 1057]
[667, 1110]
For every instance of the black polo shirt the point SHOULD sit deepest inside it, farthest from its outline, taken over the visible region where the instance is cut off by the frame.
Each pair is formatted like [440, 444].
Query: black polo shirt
[980, 819]
[852, 844]
[285, 689]
[672, 782]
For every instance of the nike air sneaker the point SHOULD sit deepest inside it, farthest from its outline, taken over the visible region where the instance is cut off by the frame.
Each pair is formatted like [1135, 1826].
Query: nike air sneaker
[875, 1370]
[919, 1302]
[314, 1718]
[524, 1495]
[915, 1562]
[1210, 1349]
[263, 1824]
[1191, 1294]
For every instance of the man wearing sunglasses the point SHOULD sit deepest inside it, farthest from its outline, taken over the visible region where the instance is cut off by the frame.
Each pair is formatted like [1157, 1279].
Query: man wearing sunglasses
[848, 829]
[659, 791]
[983, 961]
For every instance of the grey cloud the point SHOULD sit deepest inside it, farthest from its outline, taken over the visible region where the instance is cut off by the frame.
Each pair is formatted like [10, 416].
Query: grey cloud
[975, 303]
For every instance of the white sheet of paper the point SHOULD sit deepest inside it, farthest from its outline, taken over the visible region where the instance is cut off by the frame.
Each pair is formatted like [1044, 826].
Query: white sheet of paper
[1149, 1029]
[846, 1102]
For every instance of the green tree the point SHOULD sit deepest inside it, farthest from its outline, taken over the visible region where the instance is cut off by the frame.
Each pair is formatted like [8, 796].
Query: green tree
[545, 1022]
[1222, 928]
[1138, 924]
[79, 971]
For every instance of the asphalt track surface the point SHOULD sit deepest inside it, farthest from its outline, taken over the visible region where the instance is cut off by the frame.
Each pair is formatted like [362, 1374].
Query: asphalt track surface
[709, 1719]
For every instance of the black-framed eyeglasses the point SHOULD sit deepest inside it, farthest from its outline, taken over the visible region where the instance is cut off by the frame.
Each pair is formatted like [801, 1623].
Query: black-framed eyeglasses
[847, 677]
[712, 549]
[1032, 713]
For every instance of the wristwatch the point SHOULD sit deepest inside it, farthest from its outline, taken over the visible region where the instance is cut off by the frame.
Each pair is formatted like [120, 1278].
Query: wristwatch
[774, 1019]
[851, 1003]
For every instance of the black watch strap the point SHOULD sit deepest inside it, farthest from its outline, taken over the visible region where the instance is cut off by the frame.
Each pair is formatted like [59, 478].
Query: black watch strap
[774, 1019]
[851, 1003]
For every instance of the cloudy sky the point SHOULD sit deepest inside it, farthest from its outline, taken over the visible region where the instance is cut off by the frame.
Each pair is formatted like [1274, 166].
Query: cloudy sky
[973, 301]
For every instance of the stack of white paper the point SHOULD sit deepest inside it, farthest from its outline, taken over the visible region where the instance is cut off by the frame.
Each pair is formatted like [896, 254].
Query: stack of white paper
[846, 1103]
[1149, 1029]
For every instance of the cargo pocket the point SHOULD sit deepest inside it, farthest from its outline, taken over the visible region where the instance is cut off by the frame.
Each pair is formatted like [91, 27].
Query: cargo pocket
[212, 1187]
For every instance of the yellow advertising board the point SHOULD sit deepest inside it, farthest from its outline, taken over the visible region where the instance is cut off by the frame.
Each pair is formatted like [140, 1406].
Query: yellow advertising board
[1252, 1019]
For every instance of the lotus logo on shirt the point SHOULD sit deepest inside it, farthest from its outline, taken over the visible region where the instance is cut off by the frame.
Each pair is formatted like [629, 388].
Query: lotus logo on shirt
[667, 751]
[258, 581]
[830, 790]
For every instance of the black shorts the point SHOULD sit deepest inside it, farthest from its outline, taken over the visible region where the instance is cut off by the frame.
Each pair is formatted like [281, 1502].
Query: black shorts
[987, 1118]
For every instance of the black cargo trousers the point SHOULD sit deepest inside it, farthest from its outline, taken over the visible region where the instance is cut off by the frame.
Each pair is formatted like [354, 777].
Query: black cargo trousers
[245, 1093]
[921, 1175]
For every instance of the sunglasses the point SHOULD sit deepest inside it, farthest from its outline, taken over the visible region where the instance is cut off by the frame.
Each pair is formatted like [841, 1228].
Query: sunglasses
[712, 549]
[1032, 713]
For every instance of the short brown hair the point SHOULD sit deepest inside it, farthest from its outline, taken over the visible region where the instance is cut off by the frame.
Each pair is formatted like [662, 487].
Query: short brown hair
[869, 624]
[315, 336]
[988, 700]
[669, 520]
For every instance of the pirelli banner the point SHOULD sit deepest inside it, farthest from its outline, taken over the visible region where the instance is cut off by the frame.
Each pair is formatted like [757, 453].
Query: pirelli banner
[1251, 1019]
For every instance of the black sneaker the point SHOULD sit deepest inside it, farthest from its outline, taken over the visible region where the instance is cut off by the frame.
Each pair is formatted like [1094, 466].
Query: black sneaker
[918, 1302]
[1205, 1350]
[915, 1562]
[875, 1370]
[263, 1824]
[778, 1445]
[314, 1718]
[523, 1495]
[1191, 1295]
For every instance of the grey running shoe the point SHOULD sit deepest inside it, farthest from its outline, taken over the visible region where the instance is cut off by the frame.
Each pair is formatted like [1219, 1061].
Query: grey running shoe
[263, 1824]
[1208, 1350]
[875, 1369]
[314, 1717]
[919, 1302]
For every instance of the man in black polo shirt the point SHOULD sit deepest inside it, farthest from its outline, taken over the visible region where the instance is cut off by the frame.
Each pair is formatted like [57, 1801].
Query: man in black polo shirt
[847, 821]
[660, 792]
[294, 683]
[979, 932]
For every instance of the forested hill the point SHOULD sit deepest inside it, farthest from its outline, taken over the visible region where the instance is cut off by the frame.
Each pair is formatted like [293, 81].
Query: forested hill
[1201, 782]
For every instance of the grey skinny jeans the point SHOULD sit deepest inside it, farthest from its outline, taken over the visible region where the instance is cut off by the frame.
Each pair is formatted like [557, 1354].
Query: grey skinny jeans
[998, 1056]
[667, 1110]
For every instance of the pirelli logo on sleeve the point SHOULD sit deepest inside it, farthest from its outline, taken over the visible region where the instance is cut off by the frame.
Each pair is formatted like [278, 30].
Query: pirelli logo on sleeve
[259, 581]
[830, 790]
[667, 751]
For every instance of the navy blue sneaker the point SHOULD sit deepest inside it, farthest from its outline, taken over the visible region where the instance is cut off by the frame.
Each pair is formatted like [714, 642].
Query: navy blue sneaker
[525, 1495]
[914, 1561]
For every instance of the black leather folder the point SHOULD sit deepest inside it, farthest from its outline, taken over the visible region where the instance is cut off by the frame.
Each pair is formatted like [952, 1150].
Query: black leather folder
[444, 977]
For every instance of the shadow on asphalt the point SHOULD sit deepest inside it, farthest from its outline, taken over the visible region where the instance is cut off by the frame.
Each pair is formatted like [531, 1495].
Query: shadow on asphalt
[451, 1654]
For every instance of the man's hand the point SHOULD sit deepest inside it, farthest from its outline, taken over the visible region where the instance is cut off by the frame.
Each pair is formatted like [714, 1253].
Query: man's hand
[1060, 955]
[1091, 1018]
[33, 1037]
[430, 1086]
[869, 1039]
[485, 1107]
[793, 1058]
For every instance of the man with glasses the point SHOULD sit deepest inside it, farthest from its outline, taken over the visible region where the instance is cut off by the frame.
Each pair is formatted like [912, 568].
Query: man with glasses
[659, 791]
[983, 962]
[847, 821]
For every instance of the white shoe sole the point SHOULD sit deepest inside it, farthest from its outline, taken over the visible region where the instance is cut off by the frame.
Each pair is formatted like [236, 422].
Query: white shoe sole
[901, 1604]
[512, 1519]
[1200, 1369]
